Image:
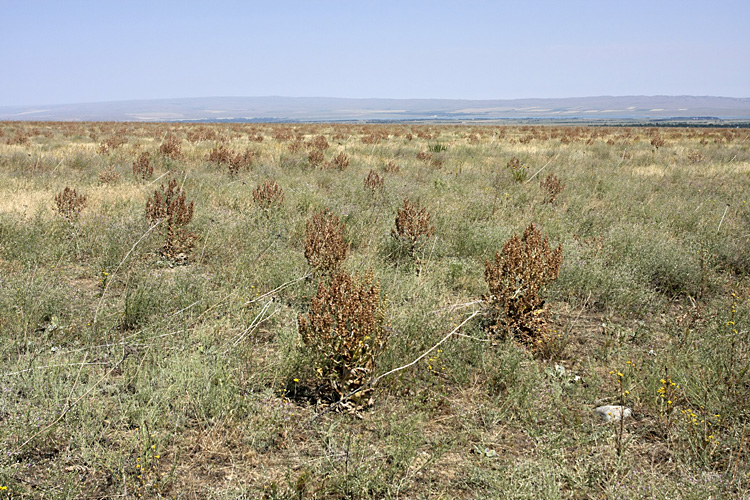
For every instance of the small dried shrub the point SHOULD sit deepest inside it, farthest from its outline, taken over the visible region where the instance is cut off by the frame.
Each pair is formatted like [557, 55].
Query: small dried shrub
[340, 161]
[111, 143]
[374, 182]
[109, 176]
[392, 167]
[296, 145]
[516, 279]
[241, 161]
[19, 139]
[372, 138]
[316, 158]
[695, 157]
[171, 147]
[268, 194]
[325, 245]
[168, 206]
[424, 156]
[142, 168]
[201, 134]
[413, 227]
[69, 203]
[657, 141]
[220, 155]
[345, 331]
[319, 143]
[518, 171]
[552, 187]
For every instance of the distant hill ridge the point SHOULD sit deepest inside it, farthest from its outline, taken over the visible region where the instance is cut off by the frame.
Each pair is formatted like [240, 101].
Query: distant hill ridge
[275, 108]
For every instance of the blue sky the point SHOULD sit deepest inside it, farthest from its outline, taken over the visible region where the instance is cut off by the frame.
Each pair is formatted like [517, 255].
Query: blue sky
[72, 51]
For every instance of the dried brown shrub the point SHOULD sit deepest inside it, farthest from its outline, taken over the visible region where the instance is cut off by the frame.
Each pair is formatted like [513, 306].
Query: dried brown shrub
[171, 147]
[296, 145]
[142, 168]
[695, 157]
[392, 167]
[69, 203]
[374, 182]
[111, 143]
[201, 134]
[319, 143]
[516, 279]
[169, 208]
[424, 156]
[268, 195]
[234, 161]
[241, 161]
[316, 158]
[657, 141]
[220, 155]
[325, 245]
[413, 227]
[109, 176]
[345, 331]
[19, 139]
[552, 187]
[340, 161]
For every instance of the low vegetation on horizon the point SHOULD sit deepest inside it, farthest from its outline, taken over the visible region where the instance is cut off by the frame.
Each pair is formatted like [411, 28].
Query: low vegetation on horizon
[317, 311]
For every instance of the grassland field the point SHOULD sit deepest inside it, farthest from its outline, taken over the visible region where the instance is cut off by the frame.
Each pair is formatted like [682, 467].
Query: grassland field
[133, 370]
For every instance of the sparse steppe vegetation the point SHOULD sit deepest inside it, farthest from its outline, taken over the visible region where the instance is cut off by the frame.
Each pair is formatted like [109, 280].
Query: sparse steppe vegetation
[149, 353]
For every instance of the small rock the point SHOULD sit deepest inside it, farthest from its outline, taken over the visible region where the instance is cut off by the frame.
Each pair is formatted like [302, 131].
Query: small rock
[612, 413]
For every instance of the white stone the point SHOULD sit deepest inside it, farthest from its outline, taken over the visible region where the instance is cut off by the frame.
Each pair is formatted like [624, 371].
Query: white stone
[612, 413]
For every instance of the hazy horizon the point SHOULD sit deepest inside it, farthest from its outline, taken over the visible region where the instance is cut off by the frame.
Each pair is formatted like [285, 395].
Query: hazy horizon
[88, 52]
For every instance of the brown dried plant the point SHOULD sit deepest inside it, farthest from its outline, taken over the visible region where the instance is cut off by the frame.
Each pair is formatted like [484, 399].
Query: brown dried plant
[316, 158]
[109, 176]
[657, 141]
[112, 142]
[424, 156]
[268, 194]
[392, 167]
[69, 203]
[142, 168]
[345, 331]
[695, 157]
[319, 143]
[413, 227]
[340, 161]
[220, 155]
[374, 182]
[516, 279]
[169, 208]
[552, 187]
[171, 147]
[325, 245]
